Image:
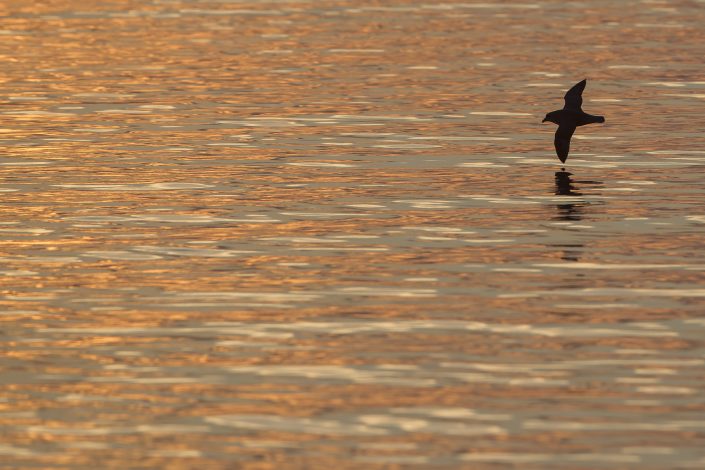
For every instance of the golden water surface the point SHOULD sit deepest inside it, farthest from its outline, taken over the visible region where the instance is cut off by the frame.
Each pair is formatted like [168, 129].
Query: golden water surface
[327, 234]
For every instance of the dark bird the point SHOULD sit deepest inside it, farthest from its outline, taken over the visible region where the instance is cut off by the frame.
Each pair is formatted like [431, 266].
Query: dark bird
[570, 117]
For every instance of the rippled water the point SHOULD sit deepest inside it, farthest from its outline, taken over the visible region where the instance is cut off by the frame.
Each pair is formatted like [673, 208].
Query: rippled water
[298, 234]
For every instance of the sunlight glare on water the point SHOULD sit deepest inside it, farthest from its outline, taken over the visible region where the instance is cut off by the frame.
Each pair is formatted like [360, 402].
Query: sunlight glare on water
[297, 234]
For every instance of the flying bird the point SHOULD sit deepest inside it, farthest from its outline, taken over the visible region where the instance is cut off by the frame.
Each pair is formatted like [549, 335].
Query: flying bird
[570, 117]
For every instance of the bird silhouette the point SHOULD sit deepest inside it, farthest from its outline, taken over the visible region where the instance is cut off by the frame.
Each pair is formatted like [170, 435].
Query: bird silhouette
[570, 117]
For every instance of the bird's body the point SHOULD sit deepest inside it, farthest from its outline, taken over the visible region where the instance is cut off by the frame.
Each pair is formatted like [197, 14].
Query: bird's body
[569, 118]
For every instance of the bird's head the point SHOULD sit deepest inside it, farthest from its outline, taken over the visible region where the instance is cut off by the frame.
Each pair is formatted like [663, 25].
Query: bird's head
[551, 117]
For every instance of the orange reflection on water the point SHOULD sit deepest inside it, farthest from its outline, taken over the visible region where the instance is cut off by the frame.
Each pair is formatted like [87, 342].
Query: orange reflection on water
[293, 235]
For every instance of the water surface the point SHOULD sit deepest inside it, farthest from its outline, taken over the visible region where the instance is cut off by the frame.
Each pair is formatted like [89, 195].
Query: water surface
[297, 234]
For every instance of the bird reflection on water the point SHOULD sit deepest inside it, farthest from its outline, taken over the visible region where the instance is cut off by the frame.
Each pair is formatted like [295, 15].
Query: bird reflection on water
[564, 184]
[573, 210]
[570, 211]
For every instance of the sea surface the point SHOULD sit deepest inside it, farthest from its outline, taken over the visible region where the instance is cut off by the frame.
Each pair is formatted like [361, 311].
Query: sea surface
[335, 235]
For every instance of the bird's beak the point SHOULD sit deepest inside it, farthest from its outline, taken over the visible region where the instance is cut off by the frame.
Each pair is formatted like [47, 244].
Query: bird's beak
[543, 120]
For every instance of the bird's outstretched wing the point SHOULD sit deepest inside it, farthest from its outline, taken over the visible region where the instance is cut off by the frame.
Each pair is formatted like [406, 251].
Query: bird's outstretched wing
[574, 97]
[562, 141]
